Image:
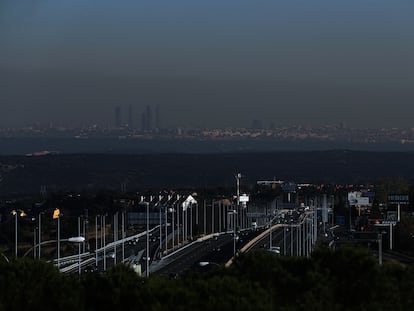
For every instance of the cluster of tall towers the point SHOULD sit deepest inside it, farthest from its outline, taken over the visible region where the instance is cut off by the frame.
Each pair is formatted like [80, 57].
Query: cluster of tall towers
[150, 120]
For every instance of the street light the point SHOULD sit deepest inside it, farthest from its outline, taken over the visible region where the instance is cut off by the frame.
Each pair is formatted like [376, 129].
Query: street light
[96, 240]
[184, 223]
[166, 229]
[16, 213]
[270, 234]
[116, 220]
[160, 237]
[380, 247]
[40, 232]
[123, 234]
[238, 177]
[212, 216]
[56, 215]
[172, 211]
[103, 234]
[208, 263]
[234, 213]
[76, 240]
[147, 257]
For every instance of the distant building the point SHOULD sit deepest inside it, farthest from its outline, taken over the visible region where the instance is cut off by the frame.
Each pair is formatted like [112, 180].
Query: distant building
[118, 122]
[150, 121]
[149, 118]
[257, 125]
[130, 124]
[157, 117]
[144, 125]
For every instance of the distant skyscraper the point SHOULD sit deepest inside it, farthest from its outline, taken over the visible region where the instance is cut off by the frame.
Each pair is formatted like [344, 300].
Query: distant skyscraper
[157, 117]
[130, 125]
[257, 125]
[149, 118]
[118, 121]
[144, 125]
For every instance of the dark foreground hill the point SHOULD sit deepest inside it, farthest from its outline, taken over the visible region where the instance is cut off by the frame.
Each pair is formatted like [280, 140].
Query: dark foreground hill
[22, 174]
[347, 279]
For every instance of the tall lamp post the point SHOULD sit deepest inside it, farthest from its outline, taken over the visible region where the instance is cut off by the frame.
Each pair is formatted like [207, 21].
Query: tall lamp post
[123, 234]
[234, 213]
[160, 222]
[17, 213]
[380, 247]
[40, 233]
[184, 223]
[238, 177]
[172, 211]
[96, 240]
[147, 257]
[166, 229]
[103, 232]
[57, 215]
[78, 240]
[270, 235]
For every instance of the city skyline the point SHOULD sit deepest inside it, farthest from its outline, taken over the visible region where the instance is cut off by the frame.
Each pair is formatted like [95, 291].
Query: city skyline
[208, 63]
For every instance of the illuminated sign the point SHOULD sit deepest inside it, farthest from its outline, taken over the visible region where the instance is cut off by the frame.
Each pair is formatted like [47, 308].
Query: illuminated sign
[398, 198]
[357, 198]
[244, 198]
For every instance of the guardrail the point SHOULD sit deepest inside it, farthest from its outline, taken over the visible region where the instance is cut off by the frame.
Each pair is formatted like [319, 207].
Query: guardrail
[75, 267]
[63, 261]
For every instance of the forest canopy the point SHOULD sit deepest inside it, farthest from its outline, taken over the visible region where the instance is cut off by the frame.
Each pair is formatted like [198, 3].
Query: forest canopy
[346, 279]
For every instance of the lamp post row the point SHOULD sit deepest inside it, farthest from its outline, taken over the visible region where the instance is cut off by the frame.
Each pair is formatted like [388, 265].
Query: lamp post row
[186, 230]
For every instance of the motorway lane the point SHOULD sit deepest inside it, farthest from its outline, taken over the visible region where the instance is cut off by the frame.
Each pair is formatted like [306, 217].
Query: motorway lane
[216, 250]
[188, 256]
[287, 241]
[133, 251]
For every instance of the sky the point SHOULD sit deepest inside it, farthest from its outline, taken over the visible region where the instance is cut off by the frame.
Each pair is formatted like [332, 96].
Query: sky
[208, 63]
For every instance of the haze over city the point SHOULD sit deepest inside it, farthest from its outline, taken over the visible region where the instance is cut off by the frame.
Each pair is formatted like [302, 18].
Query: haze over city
[208, 63]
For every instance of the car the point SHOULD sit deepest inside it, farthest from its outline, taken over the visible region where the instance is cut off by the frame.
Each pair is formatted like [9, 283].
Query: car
[275, 249]
[110, 255]
[90, 269]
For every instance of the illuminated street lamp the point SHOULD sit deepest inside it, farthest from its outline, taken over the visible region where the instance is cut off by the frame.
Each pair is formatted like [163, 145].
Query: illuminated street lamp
[56, 215]
[76, 239]
[208, 263]
[17, 213]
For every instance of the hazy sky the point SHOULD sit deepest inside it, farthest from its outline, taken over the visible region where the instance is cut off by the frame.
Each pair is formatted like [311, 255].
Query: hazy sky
[208, 62]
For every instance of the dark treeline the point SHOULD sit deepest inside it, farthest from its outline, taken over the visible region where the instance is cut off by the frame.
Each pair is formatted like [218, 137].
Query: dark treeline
[27, 175]
[347, 279]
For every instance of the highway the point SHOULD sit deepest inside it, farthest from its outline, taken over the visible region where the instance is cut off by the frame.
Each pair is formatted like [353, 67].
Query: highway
[290, 238]
[215, 249]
